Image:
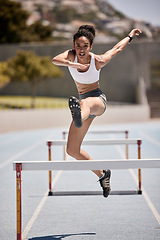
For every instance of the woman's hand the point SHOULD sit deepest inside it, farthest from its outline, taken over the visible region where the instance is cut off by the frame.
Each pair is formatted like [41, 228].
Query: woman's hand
[79, 66]
[135, 32]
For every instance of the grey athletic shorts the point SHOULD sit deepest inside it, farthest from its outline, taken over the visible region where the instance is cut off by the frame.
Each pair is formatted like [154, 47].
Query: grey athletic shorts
[94, 93]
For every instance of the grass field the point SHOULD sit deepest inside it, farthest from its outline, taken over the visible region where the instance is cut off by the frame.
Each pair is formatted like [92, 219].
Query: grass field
[13, 102]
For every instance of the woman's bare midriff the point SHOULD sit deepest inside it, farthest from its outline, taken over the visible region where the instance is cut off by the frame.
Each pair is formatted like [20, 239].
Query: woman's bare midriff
[83, 88]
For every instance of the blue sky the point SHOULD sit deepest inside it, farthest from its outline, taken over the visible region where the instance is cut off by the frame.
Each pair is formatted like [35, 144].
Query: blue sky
[148, 10]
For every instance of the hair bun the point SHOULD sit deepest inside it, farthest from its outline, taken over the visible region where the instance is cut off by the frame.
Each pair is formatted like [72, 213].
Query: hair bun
[89, 28]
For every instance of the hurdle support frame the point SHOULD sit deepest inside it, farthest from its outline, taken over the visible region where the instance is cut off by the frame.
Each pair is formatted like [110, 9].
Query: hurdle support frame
[94, 142]
[20, 166]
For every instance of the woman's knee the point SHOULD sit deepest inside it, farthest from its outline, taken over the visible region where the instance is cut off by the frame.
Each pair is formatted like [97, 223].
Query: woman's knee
[84, 104]
[73, 151]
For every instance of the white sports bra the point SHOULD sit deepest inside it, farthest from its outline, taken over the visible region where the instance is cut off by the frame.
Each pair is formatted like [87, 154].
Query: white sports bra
[88, 77]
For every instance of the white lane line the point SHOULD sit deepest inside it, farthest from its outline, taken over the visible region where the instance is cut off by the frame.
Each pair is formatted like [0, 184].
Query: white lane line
[22, 153]
[148, 200]
[150, 139]
[40, 206]
[144, 193]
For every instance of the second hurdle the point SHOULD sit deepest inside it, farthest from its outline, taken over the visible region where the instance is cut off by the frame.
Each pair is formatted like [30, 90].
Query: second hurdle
[97, 142]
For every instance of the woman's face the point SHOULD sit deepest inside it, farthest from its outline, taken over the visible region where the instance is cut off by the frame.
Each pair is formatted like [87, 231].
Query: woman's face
[82, 47]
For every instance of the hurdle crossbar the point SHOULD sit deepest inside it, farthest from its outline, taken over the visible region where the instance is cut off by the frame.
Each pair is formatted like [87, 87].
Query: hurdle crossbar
[104, 132]
[88, 165]
[97, 142]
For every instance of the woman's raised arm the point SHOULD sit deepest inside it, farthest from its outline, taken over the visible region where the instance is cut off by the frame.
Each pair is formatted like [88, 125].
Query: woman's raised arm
[103, 59]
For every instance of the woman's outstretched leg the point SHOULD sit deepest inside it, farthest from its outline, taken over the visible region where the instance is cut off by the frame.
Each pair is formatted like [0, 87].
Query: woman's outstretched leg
[75, 138]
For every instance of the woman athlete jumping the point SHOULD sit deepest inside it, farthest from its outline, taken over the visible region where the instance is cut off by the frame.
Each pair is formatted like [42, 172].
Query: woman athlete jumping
[85, 67]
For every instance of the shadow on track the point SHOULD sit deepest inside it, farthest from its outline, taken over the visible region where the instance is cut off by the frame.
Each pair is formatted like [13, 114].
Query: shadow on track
[59, 237]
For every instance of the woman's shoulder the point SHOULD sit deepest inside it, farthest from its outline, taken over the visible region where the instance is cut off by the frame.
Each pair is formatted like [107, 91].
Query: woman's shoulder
[71, 55]
[97, 59]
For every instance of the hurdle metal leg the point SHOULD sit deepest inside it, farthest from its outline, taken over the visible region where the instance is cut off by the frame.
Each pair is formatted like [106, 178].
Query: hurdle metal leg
[19, 205]
[139, 170]
[64, 148]
[50, 173]
[127, 155]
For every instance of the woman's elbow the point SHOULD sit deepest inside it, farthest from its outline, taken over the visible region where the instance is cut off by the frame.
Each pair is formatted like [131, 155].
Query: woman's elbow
[54, 61]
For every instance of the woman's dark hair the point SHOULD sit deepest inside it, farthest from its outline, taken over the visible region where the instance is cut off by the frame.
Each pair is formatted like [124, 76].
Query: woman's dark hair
[87, 31]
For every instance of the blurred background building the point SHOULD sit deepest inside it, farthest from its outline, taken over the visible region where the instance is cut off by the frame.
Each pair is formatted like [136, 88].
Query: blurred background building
[48, 27]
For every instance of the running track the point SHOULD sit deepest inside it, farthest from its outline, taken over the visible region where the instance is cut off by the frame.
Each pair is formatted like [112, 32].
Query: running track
[84, 217]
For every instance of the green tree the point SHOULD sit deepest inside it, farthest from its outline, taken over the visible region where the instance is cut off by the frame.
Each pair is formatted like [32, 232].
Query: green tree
[38, 32]
[27, 66]
[155, 74]
[14, 28]
[4, 79]
[12, 21]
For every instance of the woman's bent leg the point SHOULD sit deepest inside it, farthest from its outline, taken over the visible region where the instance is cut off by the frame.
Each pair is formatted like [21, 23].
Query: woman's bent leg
[91, 105]
[75, 138]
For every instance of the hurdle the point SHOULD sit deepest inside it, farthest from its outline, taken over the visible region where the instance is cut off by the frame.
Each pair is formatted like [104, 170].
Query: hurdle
[64, 133]
[20, 166]
[96, 142]
[125, 132]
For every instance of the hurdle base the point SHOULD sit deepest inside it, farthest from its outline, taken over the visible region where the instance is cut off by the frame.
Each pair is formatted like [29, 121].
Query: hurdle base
[139, 191]
[50, 193]
[91, 193]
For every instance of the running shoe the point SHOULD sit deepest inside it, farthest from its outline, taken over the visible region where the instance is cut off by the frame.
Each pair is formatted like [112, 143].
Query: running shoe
[104, 182]
[74, 105]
